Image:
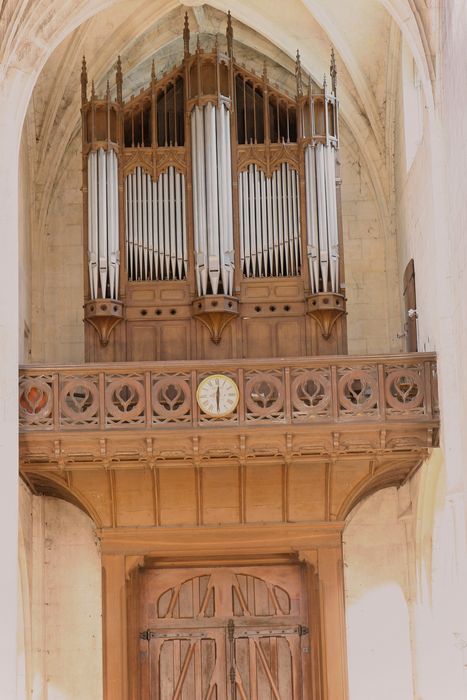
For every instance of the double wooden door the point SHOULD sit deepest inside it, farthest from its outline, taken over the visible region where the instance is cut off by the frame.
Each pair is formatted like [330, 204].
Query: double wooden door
[224, 634]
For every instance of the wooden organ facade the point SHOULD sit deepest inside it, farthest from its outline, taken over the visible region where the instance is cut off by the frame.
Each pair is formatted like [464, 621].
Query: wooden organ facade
[218, 434]
[212, 215]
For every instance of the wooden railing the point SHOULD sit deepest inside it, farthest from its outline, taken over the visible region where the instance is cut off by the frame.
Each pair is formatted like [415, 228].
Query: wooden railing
[304, 391]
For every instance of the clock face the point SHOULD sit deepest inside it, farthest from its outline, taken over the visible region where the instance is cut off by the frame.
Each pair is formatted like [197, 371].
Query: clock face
[217, 395]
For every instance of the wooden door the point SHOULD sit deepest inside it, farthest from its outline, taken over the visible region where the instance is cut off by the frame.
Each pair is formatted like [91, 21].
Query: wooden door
[224, 634]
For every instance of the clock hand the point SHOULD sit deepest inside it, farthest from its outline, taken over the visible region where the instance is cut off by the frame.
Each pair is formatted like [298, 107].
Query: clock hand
[217, 398]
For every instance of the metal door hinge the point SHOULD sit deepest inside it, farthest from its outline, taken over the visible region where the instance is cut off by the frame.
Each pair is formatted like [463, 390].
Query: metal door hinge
[144, 635]
[302, 630]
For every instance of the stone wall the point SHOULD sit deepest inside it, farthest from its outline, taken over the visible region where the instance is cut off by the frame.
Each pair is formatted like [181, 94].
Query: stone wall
[59, 617]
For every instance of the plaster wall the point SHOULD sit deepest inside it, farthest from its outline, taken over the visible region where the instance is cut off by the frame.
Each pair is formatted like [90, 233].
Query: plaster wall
[59, 617]
[376, 597]
[432, 218]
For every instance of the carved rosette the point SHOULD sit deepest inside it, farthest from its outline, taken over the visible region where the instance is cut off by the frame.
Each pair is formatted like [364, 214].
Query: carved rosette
[215, 312]
[103, 315]
[326, 308]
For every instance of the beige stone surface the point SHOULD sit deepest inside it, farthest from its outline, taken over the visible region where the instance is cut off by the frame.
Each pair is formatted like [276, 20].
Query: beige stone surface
[59, 621]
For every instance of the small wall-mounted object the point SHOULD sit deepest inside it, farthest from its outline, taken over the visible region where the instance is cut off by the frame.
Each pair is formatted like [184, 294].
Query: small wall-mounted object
[215, 312]
[326, 308]
[103, 315]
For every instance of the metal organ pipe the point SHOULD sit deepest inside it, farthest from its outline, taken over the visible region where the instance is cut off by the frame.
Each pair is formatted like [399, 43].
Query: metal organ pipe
[155, 239]
[103, 244]
[321, 218]
[212, 199]
[270, 222]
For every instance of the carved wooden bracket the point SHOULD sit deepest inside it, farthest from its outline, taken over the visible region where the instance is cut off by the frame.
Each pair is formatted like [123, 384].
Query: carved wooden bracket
[103, 315]
[326, 308]
[215, 312]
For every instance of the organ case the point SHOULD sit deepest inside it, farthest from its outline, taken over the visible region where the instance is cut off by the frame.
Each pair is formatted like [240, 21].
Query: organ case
[212, 214]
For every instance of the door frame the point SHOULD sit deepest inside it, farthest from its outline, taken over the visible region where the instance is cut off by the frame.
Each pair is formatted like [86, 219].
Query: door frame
[318, 547]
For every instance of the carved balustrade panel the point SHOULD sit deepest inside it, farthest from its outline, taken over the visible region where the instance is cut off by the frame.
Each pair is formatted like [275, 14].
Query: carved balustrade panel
[405, 388]
[36, 402]
[301, 391]
[357, 391]
[264, 393]
[125, 400]
[171, 398]
[79, 401]
[311, 394]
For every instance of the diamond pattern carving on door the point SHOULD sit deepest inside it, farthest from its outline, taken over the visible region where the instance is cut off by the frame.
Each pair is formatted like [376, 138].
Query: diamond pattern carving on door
[224, 634]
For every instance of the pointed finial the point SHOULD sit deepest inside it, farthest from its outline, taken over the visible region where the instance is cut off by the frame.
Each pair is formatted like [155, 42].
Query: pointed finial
[265, 71]
[325, 83]
[153, 70]
[84, 81]
[186, 36]
[119, 80]
[107, 92]
[298, 75]
[93, 92]
[198, 44]
[229, 35]
[333, 73]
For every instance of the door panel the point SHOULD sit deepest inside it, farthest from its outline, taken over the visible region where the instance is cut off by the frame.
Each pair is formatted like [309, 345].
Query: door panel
[187, 665]
[225, 633]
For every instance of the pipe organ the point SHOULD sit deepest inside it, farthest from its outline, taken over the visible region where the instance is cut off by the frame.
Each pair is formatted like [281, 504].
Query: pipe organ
[212, 214]
[155, 226]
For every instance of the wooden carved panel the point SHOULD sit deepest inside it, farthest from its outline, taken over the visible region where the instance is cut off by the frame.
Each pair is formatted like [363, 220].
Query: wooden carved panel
[223, 633]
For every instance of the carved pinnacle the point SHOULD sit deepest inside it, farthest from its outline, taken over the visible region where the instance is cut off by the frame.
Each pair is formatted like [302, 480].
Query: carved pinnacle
[333, 73]
[186, 36]
[119, 80]
[229, 35]
[298, 75]
[84, 81]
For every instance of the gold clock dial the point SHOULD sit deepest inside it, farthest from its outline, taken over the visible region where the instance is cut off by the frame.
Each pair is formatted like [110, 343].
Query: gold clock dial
[217, 395]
